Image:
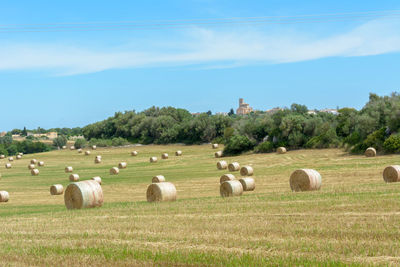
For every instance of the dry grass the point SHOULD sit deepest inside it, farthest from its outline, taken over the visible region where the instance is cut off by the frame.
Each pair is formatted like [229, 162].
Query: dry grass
[353, 219]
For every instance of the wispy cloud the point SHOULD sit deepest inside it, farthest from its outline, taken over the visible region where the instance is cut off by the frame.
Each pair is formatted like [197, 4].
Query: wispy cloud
[211, 49]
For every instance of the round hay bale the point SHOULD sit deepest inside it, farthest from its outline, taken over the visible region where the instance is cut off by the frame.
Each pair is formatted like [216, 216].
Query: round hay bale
[97, 179]
[34, 172]
[158, 179]
[234, 166]
[2, 156]
[370, 152]
[281, 150]
[153, 159]
[391, 174]
[74, 177]
[41, 163]
[87, 153]
[94, 147]
[80, 150]
[164, 156]
[114, 171]
[19, 157]
[161, 192]
[56, 189]
[20, 153]
[248, 183]
[10, 159]
[214, 146]
[231, 189]
[31, 166]
[218, 154]
[4, 196]
[134, 153]
[122, 165]
[72, 148]
[8, 165]
[222, 165]
[178, 153]
[226, 177]
[305, 180]
[246, 171]
[69, 169]
[85, 194]
[33, 161]
[64, 147]
[97, 160]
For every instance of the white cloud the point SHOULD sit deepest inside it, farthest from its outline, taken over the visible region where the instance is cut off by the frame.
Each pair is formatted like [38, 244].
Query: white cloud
[207, 48]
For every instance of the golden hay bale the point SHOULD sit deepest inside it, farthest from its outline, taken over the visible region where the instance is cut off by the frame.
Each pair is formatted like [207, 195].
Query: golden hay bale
[19, 157]
[33, 161]
[74, 177]
[214, 146]
[10, 159]
[80, 150]
[41, 163]
[246, 171]
[370, 152]
[153, 159]
[69, 169]
[218, 154]
[226, 177]
[56, 189]
[178, 153]
[4, 196]
[72, 148]
[248, 183]
[97, 160]
[31, 166]
[161, 192]
[97, 179]
[134, 153]
[231, 188]
[222, 165]
[158, 179]
[8, 165]
[85, 194]
[87, 153]
[34, 172]
[114, 171]
[233, 167]
[305, 180]
[164, 156]
[94, 147]
[64, 147]
[122, 165]
[2, 156]
[281, 150]
[391, 174]
[20, 153]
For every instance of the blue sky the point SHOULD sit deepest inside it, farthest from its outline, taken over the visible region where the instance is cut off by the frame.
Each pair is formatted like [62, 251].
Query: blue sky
[73, 78]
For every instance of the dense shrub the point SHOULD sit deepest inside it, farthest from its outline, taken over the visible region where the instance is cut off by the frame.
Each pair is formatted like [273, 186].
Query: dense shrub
[237, 144]
[117, 141]
[60, 141]
[264, 147]
[392, 144]
[80, 143]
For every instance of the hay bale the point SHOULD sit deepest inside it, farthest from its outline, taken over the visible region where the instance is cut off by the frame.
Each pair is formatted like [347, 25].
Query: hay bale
[134, 153]
[97, 179]
[153, 159]
[234, 166]
[114, 171]
[94, 147]
[178, 153]
[248, 183]
[4, 196]
[87, 153]
[218, 154]
[391, 174]
[41, 163]
[158, 179]
[222, 165]
[231, 189]
[64, 147]
[19, 157]
[33, 161]
[20, 153]
[305, 180]
[281, 150]
[214, 146]
[2, 156]
[85, 194]
[8, 165]
[72, 148]
[246, 171]
[31, 166]
[10, 159]
[370, 152]
[56, 189]
[97, 160]
[122, 165]
[164, 156]
[161, 192]
[226, 177]
[74, 177]
[69, 169]
[80, 150]
[34, 172]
